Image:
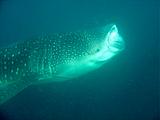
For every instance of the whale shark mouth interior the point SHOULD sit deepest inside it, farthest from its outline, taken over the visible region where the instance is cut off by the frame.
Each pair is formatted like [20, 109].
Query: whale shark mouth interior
[113, 44]
[114, 41]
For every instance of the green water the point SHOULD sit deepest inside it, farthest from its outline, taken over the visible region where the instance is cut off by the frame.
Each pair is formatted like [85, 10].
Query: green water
[125, 88]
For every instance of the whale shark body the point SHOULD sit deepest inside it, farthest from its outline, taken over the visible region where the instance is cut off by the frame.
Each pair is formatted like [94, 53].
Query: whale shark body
[57, 57]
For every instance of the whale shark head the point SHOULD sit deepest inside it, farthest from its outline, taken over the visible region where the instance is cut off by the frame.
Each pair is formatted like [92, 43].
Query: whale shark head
[104, 44]
[112, 45]
[107, 44]
[96, 47]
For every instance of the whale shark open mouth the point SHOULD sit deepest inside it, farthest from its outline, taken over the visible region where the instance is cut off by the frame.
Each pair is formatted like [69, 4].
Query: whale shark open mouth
[114, 43]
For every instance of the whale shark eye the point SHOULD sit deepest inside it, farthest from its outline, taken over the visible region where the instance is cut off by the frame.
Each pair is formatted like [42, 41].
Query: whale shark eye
[97, 50]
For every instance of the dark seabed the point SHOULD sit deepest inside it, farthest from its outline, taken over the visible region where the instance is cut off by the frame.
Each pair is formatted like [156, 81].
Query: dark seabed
[126, 88]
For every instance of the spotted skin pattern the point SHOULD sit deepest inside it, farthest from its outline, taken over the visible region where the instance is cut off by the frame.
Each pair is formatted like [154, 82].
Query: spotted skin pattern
[39, 57]
[61, 55]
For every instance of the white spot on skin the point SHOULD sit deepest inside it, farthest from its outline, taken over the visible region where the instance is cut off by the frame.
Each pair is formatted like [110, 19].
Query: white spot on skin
[5, 76]
[16, 72]
[11, 70]
[23, 74]
[5, 55]
[5, 67]
[19, 52]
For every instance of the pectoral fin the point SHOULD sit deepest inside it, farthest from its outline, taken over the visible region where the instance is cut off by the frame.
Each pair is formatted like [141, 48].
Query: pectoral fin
[10, 90]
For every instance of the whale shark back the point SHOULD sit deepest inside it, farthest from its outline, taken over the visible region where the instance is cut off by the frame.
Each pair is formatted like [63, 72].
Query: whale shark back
[38, 59]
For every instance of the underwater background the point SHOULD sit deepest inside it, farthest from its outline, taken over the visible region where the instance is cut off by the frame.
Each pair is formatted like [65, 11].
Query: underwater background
[125, 88]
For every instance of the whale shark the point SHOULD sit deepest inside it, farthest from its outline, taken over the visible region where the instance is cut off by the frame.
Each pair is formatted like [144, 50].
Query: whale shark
[57, 57]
